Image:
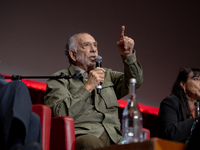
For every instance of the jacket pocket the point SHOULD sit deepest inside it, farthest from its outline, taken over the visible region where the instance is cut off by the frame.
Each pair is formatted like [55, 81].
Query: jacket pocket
[109, 95]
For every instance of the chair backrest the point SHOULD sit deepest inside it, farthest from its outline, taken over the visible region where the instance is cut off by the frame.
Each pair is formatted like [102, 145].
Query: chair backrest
[44, 112]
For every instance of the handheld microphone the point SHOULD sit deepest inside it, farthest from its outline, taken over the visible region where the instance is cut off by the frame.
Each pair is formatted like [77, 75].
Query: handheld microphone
[98, 61]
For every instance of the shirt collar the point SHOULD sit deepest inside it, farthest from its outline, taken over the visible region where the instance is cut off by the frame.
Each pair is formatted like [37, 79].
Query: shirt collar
[82, 72]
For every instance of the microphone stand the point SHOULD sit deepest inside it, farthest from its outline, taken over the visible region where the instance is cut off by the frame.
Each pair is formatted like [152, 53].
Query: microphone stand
[75, 76]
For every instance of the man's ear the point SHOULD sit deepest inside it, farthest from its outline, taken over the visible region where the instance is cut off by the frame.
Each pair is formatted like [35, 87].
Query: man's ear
[72, 54]
[183, 85]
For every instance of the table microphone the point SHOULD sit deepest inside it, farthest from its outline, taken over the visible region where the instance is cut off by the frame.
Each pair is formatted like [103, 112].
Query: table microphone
[98, 61]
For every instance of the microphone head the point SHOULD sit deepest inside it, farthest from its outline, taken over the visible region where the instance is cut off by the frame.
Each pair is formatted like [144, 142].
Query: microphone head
[98, 58]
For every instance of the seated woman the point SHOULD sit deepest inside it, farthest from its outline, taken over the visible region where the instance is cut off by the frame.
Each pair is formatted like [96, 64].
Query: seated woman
[176, 114]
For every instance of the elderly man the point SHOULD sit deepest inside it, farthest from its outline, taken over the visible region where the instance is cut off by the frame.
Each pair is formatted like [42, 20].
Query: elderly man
[95, 115]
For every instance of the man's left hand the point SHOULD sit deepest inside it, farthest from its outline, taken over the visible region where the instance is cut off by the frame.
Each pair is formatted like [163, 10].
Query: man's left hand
[125, 44]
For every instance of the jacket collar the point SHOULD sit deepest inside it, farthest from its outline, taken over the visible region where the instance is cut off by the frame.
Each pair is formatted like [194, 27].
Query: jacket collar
[72, 69]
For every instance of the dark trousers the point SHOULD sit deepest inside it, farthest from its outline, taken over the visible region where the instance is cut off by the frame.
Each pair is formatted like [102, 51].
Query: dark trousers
[16, 109]
[88, 142]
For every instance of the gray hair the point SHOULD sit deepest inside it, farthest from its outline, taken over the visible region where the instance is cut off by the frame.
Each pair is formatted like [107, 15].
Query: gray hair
[72, 44]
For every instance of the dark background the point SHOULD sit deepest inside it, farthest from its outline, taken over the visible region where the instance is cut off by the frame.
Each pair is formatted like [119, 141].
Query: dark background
[33, 35]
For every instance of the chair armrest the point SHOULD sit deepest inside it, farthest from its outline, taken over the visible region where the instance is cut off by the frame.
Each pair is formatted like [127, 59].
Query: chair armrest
[146, 134]
[62, 133]
[44, 112]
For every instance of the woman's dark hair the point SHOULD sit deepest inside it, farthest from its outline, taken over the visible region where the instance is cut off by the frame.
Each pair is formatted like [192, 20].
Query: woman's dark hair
[179, 91]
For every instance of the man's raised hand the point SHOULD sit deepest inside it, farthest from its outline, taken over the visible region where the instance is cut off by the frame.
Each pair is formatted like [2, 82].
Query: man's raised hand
[125, 44]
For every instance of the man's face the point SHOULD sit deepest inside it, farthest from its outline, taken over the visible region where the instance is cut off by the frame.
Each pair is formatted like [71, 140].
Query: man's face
[86, 51]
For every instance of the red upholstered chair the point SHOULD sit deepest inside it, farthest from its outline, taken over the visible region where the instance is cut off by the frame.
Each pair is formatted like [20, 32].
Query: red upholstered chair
[44, 113]
[63, 134]
[146, 134]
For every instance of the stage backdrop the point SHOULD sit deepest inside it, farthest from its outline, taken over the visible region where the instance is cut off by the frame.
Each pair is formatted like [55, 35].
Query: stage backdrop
[33, 35]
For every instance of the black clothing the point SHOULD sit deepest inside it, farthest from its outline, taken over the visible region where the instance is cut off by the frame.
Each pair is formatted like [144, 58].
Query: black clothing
[16, 107]
[173, 122]
[194, 142]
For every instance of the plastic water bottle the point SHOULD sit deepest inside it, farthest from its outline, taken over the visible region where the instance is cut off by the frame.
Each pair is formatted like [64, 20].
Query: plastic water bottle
[132, 118]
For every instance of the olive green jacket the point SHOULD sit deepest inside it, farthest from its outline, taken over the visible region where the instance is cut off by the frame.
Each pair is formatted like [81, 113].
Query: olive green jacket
[93, 113]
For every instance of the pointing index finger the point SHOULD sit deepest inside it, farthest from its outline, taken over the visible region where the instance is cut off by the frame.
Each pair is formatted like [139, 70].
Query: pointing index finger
[122, 32]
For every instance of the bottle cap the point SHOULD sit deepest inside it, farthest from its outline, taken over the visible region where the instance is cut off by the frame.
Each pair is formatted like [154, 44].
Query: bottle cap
[133, 80]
